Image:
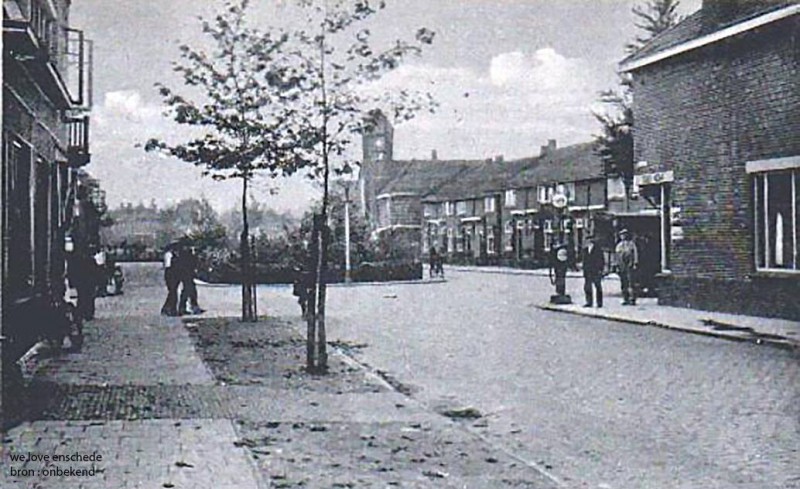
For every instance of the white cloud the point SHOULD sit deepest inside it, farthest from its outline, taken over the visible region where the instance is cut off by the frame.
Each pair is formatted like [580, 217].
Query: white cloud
[511, 108]
[120, 128]
[128, 104]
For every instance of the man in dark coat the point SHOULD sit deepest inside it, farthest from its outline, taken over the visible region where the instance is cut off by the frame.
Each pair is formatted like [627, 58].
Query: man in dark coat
[187, 270]
[594, 264]
[82, 274]
[172, 280]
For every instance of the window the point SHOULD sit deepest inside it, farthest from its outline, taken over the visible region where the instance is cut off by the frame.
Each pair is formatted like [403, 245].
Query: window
[448, 208]
[488, 204]
[459, 239]
[461, 208]
[569, 189]
[776, 219]
[491, 240]
[511, 198]
[428, 210]
[543, 194]
[18, 217]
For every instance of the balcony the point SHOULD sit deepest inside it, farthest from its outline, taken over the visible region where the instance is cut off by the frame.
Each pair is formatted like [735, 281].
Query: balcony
[78, 141]
[58, 58]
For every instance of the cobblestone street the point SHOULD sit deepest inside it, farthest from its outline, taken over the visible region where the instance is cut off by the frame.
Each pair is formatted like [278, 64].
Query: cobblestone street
[596, 403]
[214, 403]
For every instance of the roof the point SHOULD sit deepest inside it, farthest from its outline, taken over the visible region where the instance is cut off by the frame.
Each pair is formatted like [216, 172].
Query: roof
[442, 180]
[706, 26]
[477, 181]
[569, 164]
[419, 176]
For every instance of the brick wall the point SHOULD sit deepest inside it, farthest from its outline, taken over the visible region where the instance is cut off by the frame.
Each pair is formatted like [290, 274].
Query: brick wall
[704, 114]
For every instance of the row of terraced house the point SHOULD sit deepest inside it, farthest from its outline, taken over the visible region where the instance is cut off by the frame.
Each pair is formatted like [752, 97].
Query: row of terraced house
[47, 197]
[495, 211]
[714, 202]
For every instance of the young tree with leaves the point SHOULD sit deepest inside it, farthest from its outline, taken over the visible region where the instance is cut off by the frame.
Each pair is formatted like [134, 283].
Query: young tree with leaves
[244, 93]
[616, 140]
[343, 64]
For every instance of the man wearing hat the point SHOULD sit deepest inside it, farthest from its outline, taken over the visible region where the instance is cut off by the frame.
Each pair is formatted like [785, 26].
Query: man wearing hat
[628, 263]
[594, 264]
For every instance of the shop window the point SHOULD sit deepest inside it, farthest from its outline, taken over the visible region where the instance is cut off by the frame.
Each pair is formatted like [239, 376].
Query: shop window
[776, 220]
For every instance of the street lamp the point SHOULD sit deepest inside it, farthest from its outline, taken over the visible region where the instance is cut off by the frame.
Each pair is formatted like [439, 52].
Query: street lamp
[560, 255]
[345, 183]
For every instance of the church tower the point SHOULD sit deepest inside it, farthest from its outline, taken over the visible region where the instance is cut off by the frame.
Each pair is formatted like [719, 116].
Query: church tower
[377, 146]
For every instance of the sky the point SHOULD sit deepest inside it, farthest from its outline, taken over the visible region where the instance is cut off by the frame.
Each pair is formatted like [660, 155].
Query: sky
[508, 75]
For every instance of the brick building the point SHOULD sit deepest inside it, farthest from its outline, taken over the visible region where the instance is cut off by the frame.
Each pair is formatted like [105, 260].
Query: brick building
[532, 224]
[46, 65]
[492, 211]
[391, 191]
[717, 140]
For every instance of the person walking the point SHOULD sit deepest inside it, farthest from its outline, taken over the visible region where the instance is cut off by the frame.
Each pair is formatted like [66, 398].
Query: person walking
[594, 264]
[628, 263]
[187, 270]
[172, 280]
[82, 275]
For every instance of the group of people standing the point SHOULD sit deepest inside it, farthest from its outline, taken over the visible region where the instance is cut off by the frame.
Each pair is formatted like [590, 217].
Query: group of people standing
[594, 265]
[180, 269]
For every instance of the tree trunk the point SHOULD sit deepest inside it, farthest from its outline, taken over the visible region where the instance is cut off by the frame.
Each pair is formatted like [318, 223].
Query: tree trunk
[246, 274]
[311, 305]
[322, 342]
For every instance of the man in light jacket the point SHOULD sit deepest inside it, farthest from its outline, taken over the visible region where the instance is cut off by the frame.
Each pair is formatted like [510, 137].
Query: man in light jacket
[628, 263]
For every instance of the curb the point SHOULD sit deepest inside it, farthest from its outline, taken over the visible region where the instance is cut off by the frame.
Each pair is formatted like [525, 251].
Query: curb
[786, 344]
[537, 272]
[382, 378]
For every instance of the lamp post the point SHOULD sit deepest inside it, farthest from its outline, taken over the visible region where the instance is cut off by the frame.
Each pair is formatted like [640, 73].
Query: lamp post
[345, 184]
[347, 277]
[560, 255]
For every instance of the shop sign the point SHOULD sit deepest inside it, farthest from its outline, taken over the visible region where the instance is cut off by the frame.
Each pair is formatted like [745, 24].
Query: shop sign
[654, 178]
[559, 201]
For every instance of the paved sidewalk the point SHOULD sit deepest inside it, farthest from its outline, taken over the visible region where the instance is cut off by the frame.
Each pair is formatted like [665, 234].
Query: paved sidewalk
[776, 332]
[138, 396]
[209, 402]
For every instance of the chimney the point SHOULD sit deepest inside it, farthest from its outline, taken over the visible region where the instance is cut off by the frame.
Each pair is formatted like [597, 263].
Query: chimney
[434, 155]
[551, 146]
[498, 159]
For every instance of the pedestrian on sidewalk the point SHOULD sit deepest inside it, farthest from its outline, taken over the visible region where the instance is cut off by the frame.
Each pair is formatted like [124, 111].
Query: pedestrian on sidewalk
[172, 280]
[82, 275]
[594, 264]
[187, 271]
[628, 263]
[436, 263]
